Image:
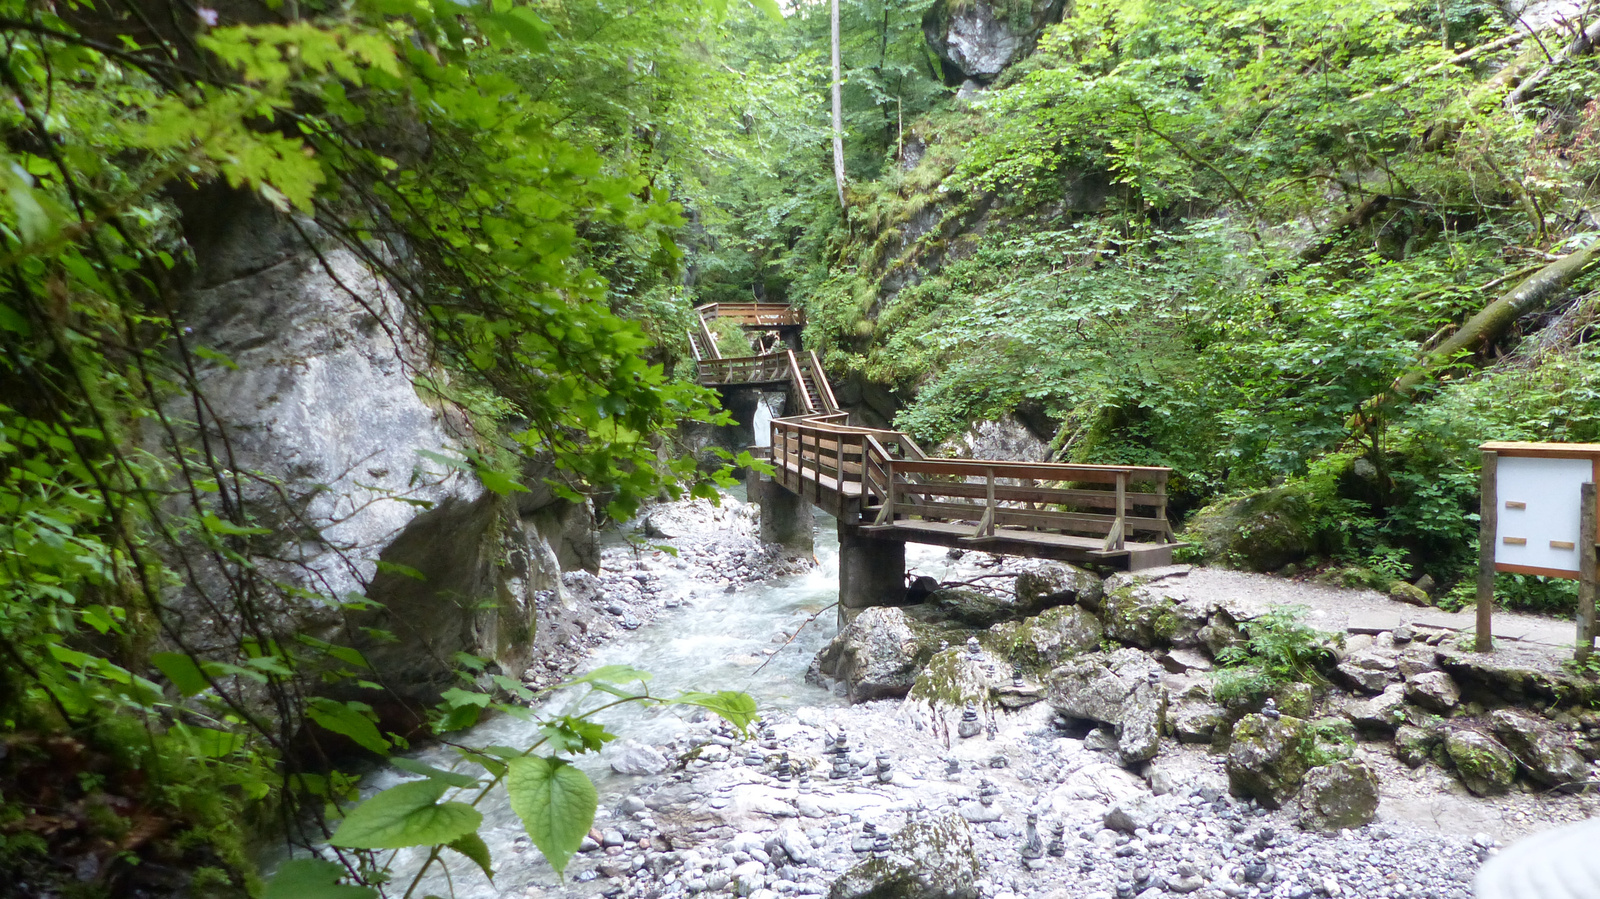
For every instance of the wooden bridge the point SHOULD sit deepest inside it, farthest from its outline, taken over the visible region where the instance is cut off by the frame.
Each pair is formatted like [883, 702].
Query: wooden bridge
[882, 486]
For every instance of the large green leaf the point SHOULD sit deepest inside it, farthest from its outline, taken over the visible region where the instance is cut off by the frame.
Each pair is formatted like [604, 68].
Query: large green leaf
[181, 669]
[556, 803]
[453, 778]
[738, 709]
[341, 718]
[312, 878]
[407, 815]
[473, 847]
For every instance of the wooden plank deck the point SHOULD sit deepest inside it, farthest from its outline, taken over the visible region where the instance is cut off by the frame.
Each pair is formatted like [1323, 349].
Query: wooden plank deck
[1028, 544]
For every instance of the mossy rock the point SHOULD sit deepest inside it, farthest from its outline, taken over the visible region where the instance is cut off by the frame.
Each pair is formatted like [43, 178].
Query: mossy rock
[932, 858]
[1296, 698]
[1055, 585]
[1261, 531]
[1339, 795]
[1269, 757]
[1139, 616]
[1483, 765]
[950, 681]
[967, 608]
[1414, 745]
[1043, 641]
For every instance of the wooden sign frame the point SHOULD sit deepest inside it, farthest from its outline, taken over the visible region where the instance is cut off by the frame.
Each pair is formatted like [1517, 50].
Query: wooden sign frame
[1585, 544]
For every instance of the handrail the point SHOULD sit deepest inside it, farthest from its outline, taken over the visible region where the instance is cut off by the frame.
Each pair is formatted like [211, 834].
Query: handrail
[823, 387]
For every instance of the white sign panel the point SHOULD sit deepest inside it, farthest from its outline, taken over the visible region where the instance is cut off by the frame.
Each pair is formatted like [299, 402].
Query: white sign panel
[1538, 514]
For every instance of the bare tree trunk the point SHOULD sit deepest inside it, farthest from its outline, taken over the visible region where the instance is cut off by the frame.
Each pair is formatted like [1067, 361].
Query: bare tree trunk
[838, 110]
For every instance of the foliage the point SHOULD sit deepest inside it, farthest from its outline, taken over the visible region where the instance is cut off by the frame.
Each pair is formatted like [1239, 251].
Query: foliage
[1277, 650]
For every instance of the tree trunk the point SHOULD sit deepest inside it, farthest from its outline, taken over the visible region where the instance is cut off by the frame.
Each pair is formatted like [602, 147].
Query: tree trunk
[838, 109]
[1530, 294]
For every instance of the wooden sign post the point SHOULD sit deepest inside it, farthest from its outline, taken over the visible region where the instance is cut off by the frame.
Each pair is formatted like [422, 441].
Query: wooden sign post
[1537, 515]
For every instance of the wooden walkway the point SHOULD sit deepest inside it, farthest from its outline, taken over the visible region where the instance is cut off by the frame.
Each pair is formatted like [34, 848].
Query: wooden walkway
[883, 484]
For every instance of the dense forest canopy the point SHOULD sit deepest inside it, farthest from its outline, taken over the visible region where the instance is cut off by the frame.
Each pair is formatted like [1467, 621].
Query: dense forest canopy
[1306, 254]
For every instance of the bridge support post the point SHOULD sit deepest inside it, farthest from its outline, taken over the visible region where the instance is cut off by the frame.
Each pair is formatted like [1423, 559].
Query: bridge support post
[785, 518]
[872, 571]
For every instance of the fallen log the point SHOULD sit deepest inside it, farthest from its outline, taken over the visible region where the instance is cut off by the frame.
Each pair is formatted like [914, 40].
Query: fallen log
[1530, 294]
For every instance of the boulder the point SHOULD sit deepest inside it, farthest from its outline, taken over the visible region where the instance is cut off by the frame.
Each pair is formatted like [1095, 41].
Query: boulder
[1121, 689]
[878, 655]
[967, 608]
[1414, 745]
[1380, 714]
[931, 858]
[1058, 584]
[1140, 615]
[1140, 811]
[1261, 531]
[1512, 678]
[1045, 640]
[1548, 756]
[1343, 794]
[1269, 758]
[1483, 765]
[1435, 691]
[1409, 594]
[976, 40]
[1366, 673]
[633, 757]
[1194, 720]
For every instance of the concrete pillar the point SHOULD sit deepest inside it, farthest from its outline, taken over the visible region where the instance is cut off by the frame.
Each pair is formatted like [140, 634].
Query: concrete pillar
[785, 518]
[872, 571]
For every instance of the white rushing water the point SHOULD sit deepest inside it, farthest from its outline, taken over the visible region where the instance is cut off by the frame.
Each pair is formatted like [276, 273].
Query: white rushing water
[713, 641]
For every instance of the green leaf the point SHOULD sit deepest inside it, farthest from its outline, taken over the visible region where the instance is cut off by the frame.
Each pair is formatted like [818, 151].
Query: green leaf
[407, 815]
[473, 847]
[524, 27]
[556, 803]
[342, 718]
[499, 482]
[569, 734]
[313, 878]
[181, 669]
[228, 529]
[615, 675]
[738, 709]
[453, 778]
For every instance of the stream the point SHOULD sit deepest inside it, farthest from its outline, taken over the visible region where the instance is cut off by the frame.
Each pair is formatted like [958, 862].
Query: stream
[715, 640]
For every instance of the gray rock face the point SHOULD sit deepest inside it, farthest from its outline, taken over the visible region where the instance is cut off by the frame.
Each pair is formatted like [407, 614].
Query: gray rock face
[1121, 689]
[322, 398]
[1006, 438]
[1268, 758]
[932, 858]
[876, 656]
[1057, 585]
[1435, 691]
[1483, 765]
[977, 40]
[1343, 794]
[1548, 756]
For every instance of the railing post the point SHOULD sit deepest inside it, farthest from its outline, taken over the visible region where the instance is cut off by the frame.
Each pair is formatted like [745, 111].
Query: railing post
[988, 516]
[1122, 509]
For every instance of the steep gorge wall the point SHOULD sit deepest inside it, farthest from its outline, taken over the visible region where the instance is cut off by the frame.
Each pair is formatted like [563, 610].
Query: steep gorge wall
[318, 399]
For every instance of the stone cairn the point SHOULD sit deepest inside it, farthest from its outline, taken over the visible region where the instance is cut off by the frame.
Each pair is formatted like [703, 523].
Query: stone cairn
[969, 726]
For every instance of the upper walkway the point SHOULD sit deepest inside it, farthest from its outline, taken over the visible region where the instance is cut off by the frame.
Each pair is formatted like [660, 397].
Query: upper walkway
[882, 483]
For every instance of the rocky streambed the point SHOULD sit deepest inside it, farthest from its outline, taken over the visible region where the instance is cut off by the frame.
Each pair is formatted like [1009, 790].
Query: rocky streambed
[1040, 731]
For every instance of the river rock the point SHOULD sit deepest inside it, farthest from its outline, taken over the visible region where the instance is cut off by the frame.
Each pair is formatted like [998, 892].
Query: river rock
[876, 656]
[1140, 615]
[1382, 713]
[1547, 755]
[1413, 745]
[633, 757]
[1268, 758]
[1483, 765]
[1121, 689]
[1362, 678]
[967, 608]
[1050, 637]
[1343, 794]
[1435, 691]
[1048, 586]
[1140, 811]
[932, 858]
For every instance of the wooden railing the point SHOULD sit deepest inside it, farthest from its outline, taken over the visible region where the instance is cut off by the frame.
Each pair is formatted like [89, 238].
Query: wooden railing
[893, 478]
[745, 369]
[754, 315]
